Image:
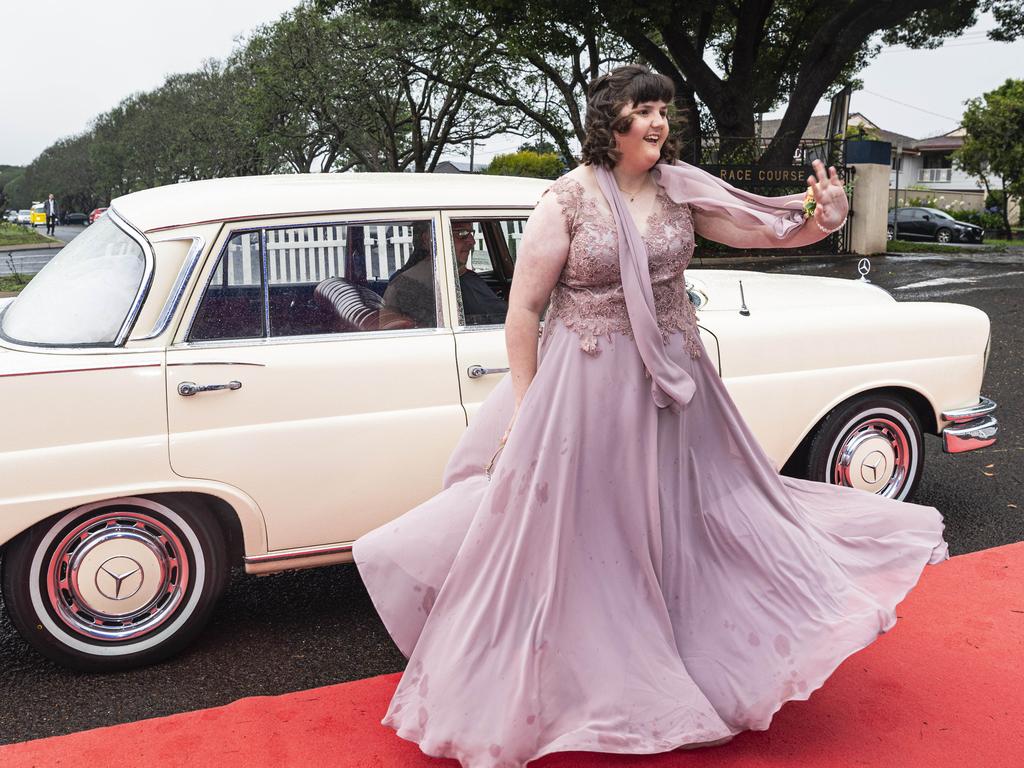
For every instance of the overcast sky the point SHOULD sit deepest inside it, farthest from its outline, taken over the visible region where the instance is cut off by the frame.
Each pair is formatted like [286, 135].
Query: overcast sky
[67, 61]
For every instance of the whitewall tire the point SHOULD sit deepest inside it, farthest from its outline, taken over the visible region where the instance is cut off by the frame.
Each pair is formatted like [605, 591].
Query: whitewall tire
[872, 442]
[116, 584]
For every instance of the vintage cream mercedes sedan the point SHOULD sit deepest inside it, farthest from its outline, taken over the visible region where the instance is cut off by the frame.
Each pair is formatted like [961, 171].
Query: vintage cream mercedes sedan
[256, 371]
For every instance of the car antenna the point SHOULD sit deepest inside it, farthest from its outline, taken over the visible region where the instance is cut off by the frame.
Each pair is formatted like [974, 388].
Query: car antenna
[743, 302]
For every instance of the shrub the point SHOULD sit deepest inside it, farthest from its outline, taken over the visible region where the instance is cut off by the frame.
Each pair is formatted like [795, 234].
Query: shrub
[526, 163]
[985, 219]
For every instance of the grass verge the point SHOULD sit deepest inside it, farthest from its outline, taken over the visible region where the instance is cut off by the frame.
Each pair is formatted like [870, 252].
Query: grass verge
[15, 234]
[1006, 243]
[11, 284]
[905, 246]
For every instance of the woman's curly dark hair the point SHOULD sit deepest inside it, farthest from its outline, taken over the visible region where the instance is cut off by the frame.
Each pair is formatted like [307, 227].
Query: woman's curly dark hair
[606, 96]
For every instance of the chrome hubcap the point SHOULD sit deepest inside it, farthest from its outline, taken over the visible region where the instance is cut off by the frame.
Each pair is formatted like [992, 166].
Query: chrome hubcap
[874, 456]
[943, 237]
[117, 576]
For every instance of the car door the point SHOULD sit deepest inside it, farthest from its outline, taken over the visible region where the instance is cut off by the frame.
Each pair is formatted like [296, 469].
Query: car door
[909, 223]
[479, 300]
[336, 404]
[928, 224]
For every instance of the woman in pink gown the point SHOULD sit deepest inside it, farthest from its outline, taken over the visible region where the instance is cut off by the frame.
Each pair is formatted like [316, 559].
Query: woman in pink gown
[632, 574]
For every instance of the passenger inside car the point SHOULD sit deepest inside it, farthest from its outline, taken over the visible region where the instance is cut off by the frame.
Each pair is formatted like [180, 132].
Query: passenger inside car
[411, 288]
[480, 304]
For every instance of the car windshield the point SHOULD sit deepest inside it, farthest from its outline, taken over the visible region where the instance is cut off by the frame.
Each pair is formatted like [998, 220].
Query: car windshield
[83, 295]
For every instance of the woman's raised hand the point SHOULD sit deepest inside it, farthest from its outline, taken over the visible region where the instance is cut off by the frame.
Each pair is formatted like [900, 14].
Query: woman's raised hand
[830, 203]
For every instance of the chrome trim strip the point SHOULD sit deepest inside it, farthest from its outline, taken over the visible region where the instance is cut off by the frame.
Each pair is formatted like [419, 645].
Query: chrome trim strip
[292, 554]
[147, 277]
[983, 407]
[333, 212]
[80, 370]
[188, 268]
[401, 333]
[215, 362]
[265, 279]
[971, 436]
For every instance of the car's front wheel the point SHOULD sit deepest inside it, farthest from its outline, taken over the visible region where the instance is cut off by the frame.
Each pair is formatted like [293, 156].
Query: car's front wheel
[116, 584]
[943, 235]
[872, 442]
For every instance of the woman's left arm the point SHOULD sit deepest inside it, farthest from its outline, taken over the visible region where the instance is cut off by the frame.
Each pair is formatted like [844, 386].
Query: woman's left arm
[742, 219]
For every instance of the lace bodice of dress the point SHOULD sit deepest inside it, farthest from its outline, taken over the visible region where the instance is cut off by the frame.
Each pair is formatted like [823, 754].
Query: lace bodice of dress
[588, 297]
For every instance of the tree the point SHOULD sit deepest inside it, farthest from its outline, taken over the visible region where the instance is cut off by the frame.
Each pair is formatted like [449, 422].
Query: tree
[343, 90]
[541, 74]
[526, 163]
[194, 126]
[9, 173]
[994, 143]
[64, 169]
[762, 52]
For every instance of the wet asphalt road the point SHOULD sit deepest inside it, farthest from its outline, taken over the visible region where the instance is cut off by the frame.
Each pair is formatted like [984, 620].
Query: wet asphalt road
[294, 631]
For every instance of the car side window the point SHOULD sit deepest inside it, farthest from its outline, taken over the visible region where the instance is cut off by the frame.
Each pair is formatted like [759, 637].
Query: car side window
[484, 257]
[347, 278]
[320, 279]
[232, 306]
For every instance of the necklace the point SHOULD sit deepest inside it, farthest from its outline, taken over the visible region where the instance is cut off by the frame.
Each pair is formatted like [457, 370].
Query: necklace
[632, 195]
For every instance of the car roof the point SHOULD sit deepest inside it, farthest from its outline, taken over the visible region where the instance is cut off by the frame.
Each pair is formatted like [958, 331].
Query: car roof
[247, 197]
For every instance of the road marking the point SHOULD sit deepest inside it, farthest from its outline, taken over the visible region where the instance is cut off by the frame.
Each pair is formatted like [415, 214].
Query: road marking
[953, 280]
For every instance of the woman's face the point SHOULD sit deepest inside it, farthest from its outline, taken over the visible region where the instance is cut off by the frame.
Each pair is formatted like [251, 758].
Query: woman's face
[641, 144]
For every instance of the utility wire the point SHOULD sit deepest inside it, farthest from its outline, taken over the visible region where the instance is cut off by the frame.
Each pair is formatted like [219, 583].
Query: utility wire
[902, 49]
[911, 106]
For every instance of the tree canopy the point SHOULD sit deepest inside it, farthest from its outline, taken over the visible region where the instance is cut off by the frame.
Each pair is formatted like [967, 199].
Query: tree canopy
[394, 85]
[731, 60]
[993, 147]
[309, 92]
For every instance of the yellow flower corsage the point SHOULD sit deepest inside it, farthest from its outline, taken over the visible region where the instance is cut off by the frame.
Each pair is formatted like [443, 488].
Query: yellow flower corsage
[809, 203]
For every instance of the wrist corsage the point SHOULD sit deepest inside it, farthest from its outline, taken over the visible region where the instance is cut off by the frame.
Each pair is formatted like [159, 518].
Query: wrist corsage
[810, 205]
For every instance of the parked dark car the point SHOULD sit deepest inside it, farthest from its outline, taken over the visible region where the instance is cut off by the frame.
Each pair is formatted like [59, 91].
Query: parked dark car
[932, 224]
[76, 218]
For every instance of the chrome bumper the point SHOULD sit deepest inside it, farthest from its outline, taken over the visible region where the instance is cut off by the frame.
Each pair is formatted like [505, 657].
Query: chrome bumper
[972, 427]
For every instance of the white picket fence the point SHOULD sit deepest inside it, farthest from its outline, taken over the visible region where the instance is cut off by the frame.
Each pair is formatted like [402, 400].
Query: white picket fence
[312, 254]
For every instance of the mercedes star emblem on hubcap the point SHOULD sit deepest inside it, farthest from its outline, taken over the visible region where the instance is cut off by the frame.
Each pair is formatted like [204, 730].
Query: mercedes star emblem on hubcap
[872, 466]
[119, 578]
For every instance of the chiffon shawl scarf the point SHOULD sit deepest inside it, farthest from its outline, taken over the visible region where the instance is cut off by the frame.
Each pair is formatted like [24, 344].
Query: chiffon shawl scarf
[762, 218]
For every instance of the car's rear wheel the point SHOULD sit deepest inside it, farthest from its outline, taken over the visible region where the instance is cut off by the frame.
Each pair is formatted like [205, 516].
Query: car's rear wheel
[943, 235]
[890, 234]
[116, 584]
[872, 442]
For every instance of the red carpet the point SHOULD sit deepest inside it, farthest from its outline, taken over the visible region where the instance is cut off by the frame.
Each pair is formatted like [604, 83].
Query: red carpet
[945, 687]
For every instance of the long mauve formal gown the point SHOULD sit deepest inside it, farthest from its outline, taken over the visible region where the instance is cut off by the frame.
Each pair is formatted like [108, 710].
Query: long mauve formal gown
[634, 575]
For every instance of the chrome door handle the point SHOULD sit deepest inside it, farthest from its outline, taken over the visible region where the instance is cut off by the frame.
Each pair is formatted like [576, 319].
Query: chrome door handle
[476, 371]
[189, 388]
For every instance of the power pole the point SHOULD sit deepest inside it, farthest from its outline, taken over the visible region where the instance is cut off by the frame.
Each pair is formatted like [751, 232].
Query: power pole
[896, 201]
